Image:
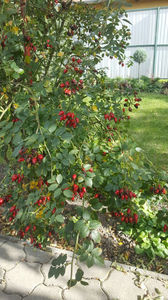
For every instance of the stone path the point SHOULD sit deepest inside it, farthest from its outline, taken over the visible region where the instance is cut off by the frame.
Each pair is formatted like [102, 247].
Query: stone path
[24, 275]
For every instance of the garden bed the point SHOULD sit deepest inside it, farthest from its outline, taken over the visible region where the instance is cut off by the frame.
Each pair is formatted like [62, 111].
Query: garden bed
[115, 245]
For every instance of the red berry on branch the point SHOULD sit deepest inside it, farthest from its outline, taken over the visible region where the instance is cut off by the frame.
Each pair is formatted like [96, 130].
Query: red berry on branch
[34, 160]
[1, 201]
[74, 176]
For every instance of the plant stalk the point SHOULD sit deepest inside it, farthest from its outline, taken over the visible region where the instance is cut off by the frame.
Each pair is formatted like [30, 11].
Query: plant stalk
[76, 245]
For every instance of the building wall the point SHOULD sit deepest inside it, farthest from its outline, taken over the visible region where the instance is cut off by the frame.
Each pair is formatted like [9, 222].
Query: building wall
[146, 4]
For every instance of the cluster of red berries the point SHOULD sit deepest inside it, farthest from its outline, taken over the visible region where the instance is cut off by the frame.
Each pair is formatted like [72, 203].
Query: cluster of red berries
[125, 194]
[72, 87]
[13, 210]
[158, 190]
[121, 63]
[74, 66]
[28, 229]
[3, 41]
[17, 177]
[5, 199]
[71, 121]
[165, 228]
[110, 117]
[42, 201]
[127, 218]
[32, 158]
[47, 45]
[137, 100]
[15, 120]
[77, 190]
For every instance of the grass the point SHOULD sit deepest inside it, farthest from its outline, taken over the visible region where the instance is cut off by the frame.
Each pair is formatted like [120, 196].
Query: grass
[149, 128]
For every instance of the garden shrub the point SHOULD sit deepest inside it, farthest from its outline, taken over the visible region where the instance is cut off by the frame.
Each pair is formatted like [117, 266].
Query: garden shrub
[67, 132]
[144, 84]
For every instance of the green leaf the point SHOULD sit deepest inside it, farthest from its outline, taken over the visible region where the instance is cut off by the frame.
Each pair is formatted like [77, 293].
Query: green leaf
[84, 232]
[71, 283]
[52, 128]
[51, 272]
[79, 275]
[52, 180]
[80, 179]
[59, 218]
[59, 178]
[57, 193]
[84, 283]
[62, 270]
[53, 187]
[16, 151]
[88, 182]
[61, 259]
[95, 235]
[86, 215]
[94, 224]
[57, 272]
[67, 137]
[79, 224]
[87, 167]
[83, 257]
[98, 260]
[96, 252]
[90, 261]
[68, 193]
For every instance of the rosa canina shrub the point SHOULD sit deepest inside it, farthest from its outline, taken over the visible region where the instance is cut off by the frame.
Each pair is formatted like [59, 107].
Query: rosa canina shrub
[67, 133]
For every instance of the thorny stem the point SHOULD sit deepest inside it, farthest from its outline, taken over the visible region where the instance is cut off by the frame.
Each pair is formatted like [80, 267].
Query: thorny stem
[76, 245]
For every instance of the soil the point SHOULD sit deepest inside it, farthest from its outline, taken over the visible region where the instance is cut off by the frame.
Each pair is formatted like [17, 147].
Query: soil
[115, 245]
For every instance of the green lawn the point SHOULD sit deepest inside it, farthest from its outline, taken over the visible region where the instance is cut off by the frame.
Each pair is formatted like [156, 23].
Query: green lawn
[149, 127]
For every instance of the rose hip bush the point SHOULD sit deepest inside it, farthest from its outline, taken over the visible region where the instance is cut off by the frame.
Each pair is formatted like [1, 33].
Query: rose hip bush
[67, 133]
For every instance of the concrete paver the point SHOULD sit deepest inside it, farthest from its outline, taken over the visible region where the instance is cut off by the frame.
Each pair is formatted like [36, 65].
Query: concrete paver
[35, 255]
[42, 292]
[91, 292]
[24, 275]
[9, 297]
[96, 271]
[23, 278]
[156, 287]
[10, 254]
[121, 286]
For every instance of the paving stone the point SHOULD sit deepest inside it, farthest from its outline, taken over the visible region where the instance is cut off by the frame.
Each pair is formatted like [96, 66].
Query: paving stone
[4, 296]
[61, 281]
[11, 253]
[95, 271]
[23, 278]
[153, 284]
[57, 252]
[35, 255]
[2, 282]
[92, 291]
[2, 241]
[42, 292]
[121, 286]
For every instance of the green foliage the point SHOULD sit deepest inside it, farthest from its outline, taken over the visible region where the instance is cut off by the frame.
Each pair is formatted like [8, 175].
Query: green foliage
[139, 56]
[144, 84]
[67, 133]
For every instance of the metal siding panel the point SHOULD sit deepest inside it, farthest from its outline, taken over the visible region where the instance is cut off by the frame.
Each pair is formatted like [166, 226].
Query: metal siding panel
[163, 27]
[143, 25]
[113, 69]
[162, 62]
